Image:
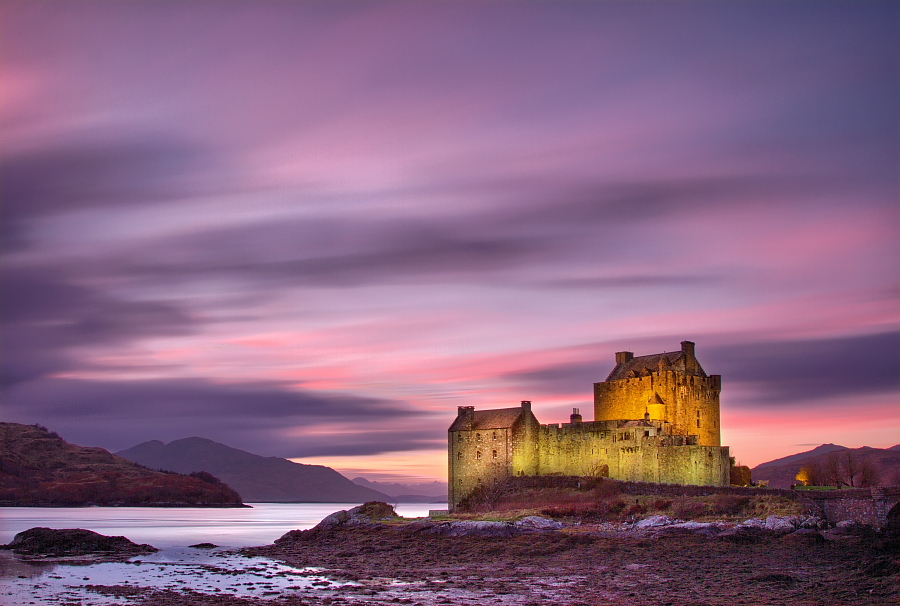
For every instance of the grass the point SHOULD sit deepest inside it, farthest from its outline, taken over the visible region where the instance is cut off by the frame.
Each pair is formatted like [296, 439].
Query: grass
[607, 502]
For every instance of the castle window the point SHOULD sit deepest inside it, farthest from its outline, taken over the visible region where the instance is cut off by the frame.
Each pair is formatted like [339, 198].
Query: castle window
[459, 438]
[646, 434]
[495, 435]
[494, 454]
[478, 437]
[459, 456]
[478, 454]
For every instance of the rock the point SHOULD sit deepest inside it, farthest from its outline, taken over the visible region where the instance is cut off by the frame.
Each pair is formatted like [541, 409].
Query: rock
[814, 522]
[472, 528]
[203, 546]
[538, 523]
[709, 529]
[331, 520]
[73, 542]
[653, 522]
[782, 524]
[367, 514]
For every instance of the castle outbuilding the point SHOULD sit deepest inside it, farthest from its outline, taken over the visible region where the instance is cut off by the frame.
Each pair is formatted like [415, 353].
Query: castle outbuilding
[656, 420]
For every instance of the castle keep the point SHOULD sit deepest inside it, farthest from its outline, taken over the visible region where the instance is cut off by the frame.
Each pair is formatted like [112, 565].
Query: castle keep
[656, 419]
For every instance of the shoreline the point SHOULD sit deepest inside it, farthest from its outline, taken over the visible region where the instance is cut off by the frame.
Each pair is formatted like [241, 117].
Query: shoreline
[349, 561]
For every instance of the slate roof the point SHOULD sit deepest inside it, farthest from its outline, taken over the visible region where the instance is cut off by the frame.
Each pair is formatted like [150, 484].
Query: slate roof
[674, 360]
[497, 418]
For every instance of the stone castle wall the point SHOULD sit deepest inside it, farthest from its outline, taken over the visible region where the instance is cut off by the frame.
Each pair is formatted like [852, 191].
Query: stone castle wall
[656, 420]
[639, 453]
[482, 457]
[688, 403]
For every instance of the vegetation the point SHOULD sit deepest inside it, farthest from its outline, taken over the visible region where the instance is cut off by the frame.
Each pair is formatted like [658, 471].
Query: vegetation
[605, 500]
[37, 467]
[841, 468]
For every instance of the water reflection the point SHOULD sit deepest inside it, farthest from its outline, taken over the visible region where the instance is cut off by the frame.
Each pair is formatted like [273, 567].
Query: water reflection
[173, 569]
[181, 526]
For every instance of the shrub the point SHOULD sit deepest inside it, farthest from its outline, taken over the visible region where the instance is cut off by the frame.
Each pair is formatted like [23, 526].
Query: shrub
[206, 477]
[687, 510]
[636, 510]
[728, 504]
[661, 504]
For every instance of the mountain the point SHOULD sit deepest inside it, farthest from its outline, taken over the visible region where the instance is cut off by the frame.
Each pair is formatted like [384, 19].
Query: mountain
[818, 450]
[259, 479]
[883, 464]
[424, 492]
[39, 468]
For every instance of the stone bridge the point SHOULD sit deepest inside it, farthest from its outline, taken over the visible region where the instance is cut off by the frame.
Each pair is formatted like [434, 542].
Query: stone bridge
[872, 506]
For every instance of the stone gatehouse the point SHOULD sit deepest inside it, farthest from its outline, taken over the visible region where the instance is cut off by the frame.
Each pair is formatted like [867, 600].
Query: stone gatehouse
[656, 420]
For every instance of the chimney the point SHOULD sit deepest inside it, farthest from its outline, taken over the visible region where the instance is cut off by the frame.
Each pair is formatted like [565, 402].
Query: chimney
[575, 417]
[526, 405]
[688, 348]
[465, 412]
[624, 356]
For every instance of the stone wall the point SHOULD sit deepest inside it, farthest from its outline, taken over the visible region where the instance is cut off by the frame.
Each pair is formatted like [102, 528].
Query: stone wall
[863, 505]
[689, 404]
[641, 454]
[482, 457]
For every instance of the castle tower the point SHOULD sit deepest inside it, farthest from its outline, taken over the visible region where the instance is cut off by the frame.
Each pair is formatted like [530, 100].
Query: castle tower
[669, 387]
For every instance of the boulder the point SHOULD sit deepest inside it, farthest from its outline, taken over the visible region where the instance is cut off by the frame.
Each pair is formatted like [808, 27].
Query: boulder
[473, 528]
[73, 542]
[708, 529]
[538, 523]
[653, 522]
[367, 514]
[782, 524]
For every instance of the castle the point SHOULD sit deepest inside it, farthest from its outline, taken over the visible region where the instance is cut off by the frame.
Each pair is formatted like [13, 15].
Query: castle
[656, 419]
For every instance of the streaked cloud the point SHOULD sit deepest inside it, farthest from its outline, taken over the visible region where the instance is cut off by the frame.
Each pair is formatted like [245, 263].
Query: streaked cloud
[244, 216]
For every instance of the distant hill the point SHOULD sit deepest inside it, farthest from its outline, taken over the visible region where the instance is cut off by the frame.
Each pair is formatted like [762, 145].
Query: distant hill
[781, 473]
[818, 450]
[37, 467]
[259, 479]
[425, 492]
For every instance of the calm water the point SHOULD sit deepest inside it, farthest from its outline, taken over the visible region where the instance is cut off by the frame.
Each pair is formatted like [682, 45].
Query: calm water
[175, 567]
[180, 527]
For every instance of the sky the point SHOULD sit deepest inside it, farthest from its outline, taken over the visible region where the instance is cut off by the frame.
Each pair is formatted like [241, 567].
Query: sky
[313, 229]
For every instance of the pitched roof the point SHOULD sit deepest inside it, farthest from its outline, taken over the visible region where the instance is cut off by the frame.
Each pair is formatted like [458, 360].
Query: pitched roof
[497, 418]
[637, 367]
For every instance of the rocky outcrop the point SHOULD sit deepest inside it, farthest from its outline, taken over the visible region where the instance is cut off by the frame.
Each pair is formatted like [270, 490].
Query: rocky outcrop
[73, 542]
[39, 468]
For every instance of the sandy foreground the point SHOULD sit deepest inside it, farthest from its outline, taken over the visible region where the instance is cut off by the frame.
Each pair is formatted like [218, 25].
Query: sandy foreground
[576, 566]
